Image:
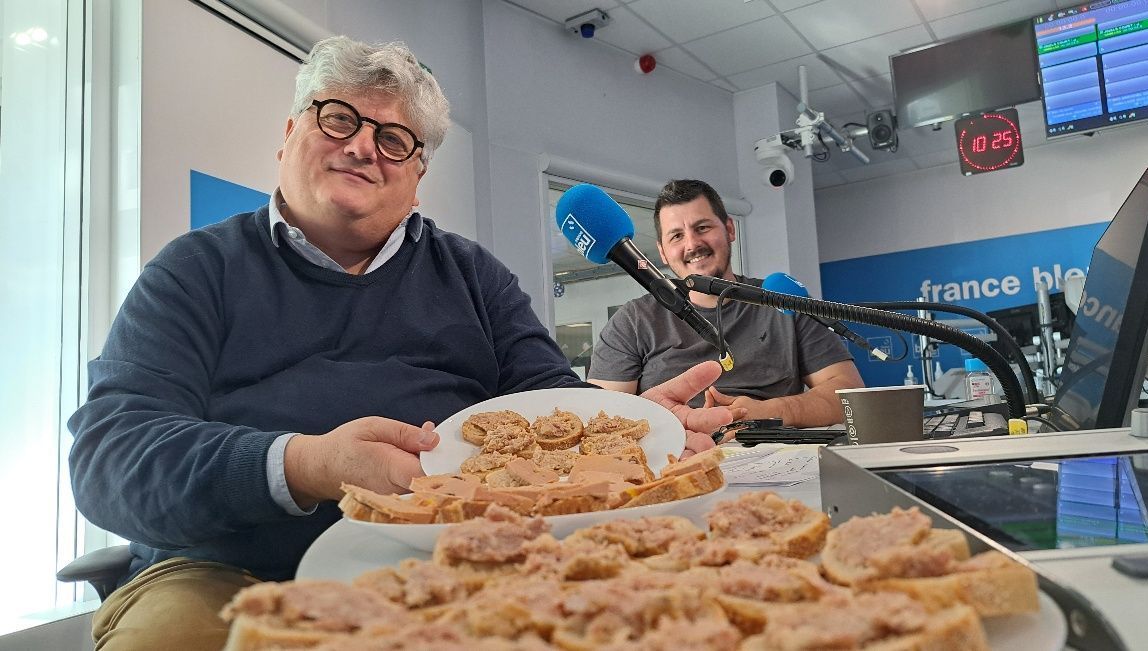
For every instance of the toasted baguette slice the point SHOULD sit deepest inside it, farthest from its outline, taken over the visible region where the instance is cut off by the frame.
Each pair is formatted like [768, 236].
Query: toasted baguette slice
[528, 473]
[992, 583]
[707, 460]
[498, 538]
[560, 430]
[641, 537]
[475, 427]
[613, 445]
[670, 489]
[617, 496]
[250, 633]
[633, 473]
[790, 526]
[301, 614]
[606, 424]
[461, 510]
[560, 461]
[519, 502]
[513, 440]
[484, 463]
[564, 499]
[951, 540]
[454, 485]
[956, 628]
[500, 479]
[362, 504]
[898, 544]
[860, 622]
[711, 553]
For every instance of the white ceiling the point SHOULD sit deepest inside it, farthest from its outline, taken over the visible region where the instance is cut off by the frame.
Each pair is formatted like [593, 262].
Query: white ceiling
[845, 45]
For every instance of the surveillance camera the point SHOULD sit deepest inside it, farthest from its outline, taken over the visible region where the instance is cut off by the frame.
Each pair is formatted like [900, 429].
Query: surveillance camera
[778, 173]
[770, 152]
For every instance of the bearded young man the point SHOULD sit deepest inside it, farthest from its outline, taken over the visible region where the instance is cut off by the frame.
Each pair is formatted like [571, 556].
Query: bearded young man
[787, 366]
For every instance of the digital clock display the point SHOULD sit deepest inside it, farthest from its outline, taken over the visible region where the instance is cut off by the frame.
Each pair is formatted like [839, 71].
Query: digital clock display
[989, 142]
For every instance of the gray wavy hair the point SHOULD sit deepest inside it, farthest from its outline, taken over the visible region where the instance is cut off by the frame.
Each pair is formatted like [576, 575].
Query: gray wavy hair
[341, 64]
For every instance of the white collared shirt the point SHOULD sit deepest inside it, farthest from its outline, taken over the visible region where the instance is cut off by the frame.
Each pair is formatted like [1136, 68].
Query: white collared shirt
[311, 253]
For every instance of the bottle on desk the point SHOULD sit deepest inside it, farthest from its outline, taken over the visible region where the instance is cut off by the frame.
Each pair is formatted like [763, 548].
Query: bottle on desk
[1041, 383]
[978, 380]
[910, 379]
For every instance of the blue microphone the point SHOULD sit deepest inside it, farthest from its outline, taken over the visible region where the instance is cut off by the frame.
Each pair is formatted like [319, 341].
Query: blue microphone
[598, 227]
[783, 283]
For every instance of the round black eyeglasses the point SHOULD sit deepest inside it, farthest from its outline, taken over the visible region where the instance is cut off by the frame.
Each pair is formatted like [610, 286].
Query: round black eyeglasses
[341, 121]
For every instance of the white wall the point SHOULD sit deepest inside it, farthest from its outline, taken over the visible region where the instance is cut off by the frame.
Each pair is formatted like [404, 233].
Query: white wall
[1062, 183]
[213, 100]
[780, 233]
[550, 93]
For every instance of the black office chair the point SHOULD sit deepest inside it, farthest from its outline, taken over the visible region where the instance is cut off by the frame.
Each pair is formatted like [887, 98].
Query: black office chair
[102, 568]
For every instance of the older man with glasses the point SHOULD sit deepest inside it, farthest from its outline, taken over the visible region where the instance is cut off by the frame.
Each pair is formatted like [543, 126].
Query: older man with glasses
[260, 362]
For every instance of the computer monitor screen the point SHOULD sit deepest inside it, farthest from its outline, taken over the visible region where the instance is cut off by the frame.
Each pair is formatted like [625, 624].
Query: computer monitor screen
[1051, 503]
[1106, 360]
[990, 69]
[1093, 65]
[1023, 322]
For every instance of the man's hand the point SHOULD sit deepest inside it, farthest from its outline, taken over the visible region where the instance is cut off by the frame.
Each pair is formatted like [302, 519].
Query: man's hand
[674, 394]
[715, 398]
[816, 407]
[376, 453]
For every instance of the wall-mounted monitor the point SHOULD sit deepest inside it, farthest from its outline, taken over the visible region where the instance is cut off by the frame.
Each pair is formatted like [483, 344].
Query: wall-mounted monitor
[983, 71]
[1093, 65]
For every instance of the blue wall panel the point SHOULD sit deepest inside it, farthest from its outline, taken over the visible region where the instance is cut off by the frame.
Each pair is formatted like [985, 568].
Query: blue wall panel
[214, 199]
[983, 275]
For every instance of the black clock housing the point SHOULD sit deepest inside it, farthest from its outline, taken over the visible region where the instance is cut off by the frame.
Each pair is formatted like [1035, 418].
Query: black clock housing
[988, 142]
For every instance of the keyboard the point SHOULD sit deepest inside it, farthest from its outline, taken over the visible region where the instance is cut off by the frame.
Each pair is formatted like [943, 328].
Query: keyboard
[965, 423]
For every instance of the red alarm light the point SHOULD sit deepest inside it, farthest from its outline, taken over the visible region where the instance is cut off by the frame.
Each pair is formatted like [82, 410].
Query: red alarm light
[645, 64]
[989, 142]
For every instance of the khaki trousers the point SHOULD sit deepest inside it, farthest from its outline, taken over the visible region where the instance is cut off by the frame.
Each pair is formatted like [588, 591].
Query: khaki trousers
[171, 606]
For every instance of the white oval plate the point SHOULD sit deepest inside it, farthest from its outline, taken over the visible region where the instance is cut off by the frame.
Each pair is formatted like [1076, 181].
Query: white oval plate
[667, 436]
[424, 536]
[1044, 630]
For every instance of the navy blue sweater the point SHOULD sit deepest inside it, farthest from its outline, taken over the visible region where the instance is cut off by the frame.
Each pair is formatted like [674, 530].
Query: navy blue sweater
[227, 341]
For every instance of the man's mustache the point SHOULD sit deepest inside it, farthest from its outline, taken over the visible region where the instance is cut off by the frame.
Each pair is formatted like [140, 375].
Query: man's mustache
[697, 252]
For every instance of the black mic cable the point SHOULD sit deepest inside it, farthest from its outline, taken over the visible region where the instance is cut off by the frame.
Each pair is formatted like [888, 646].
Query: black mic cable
[1003, 336]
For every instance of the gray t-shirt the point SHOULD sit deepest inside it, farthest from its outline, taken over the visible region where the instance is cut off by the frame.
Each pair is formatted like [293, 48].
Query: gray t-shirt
[772, 351]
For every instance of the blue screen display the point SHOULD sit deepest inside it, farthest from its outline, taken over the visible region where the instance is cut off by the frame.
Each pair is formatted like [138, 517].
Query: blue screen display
[1093, 62]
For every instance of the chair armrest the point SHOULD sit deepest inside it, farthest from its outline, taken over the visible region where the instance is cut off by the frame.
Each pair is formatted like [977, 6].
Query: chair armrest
[103, 568]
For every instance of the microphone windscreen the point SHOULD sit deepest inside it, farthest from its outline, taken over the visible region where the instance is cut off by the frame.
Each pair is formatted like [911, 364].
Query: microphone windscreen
[783, 283]
[592, 221]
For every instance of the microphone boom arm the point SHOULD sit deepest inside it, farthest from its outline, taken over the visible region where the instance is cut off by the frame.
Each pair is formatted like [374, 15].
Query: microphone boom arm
[667, 292]
[870, 316]
[1003, 335]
